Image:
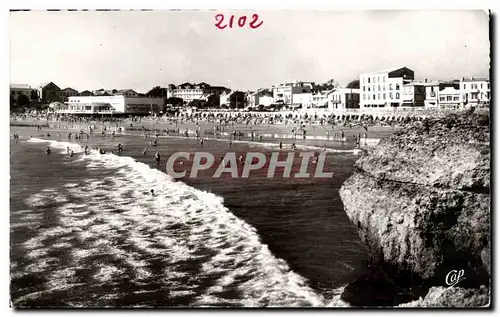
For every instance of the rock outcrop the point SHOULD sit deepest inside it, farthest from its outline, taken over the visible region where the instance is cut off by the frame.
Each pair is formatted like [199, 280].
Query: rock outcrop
[421, 201]
[439, 297]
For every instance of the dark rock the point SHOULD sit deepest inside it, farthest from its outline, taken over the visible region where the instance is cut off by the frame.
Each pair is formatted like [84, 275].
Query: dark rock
[453, 297]
[375, 288]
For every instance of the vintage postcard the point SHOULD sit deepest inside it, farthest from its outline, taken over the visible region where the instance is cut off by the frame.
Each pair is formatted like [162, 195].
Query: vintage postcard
[250, 159]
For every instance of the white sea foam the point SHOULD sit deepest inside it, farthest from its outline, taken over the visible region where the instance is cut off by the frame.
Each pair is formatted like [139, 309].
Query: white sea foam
[178, 225]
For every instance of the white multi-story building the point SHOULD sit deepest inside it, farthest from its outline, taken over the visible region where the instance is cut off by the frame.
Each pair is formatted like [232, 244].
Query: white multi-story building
[450, 96]
[343, 98]
[189, 92]
[118, 104]
[384, 88]
[475, 91]
[293, 92]
[320, 99]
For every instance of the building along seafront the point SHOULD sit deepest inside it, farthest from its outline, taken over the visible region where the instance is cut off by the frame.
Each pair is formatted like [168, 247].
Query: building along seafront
[116, 104]
[384, 88]
[16, 90]
[475, 91]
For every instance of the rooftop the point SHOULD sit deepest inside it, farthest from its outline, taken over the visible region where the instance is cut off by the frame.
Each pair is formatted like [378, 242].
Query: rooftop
[20, 86]
[387, 70]
[472, 79]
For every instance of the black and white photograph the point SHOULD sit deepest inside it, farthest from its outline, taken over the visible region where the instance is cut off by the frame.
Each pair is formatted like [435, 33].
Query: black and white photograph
[336, 159]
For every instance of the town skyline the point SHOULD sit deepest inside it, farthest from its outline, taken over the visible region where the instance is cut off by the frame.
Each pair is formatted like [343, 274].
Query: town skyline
[93, 50]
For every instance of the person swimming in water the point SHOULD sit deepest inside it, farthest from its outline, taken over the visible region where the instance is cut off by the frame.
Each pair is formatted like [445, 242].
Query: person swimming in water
[69, 135]
[48, 134]
[71, 153]
[201, 142]
[120, 148]
[152, 192]
[67, 150]
[86, 150]
[157, 157]
[113, 134]
[144, 151]
[293, 146]
[47, 150]
[281, 145]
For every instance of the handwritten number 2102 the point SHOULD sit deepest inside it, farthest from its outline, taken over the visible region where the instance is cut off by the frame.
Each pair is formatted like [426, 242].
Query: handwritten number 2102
[254, 23]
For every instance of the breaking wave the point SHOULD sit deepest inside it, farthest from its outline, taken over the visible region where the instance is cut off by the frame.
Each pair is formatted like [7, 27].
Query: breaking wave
[180, 246]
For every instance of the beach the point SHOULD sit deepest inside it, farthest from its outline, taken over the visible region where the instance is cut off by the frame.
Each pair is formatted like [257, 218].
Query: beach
[86, 231]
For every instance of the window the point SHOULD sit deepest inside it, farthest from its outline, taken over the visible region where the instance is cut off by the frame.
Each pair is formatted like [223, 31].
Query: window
[448, 98]
[455, 98]
[383, 95]
[368, 88]
[368, 79]
[481, 86]
[379, 88]
[390, 86]
[465, 86]
[374, 97]
[397, 95]
[390, 95]
[364, 88]
[441, 98]
[379, 96]
[383, 79]
[397, 86]
[368, 97]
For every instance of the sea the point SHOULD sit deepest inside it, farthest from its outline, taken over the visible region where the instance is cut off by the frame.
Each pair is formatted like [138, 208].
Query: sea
[85, 231]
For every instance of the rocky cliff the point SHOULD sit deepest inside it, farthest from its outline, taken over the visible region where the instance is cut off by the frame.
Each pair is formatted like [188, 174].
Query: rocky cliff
[421, 202]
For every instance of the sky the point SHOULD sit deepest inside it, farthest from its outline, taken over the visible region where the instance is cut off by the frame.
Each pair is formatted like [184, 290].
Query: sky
[140, 50]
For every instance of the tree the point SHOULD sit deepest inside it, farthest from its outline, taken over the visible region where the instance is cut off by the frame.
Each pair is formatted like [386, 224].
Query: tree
[353, 84]
[197, 103]
[23, 100]
[12, 103]
[237, 100]
[157, 92]
[34, 95]
[174, 101]
[213, 101]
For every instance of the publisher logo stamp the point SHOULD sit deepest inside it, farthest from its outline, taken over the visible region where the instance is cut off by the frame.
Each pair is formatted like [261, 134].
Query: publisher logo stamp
[454, 277]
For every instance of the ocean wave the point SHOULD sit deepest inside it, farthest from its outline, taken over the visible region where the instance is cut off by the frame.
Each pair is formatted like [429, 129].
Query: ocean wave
[182, 237]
